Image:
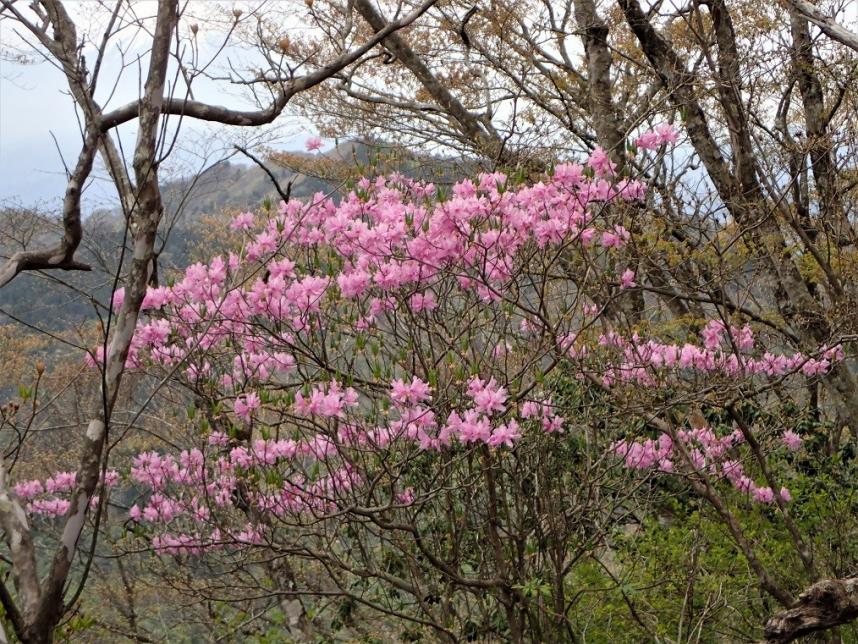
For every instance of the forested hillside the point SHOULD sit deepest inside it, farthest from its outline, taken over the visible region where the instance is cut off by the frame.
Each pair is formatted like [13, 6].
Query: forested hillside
[547, 333]
[191, 204]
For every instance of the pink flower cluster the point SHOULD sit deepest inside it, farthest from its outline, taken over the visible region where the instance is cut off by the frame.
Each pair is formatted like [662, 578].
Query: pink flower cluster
[245, 405]
[41, 496]
[643, 359]
[183, 543]
[543, 410]
[394, 242]
[192, 486]
[489, 397]
[416, 391]
[702, 452]
[664, 134]
[189, 488]
[327, 401]
[243, 221]
[319, 288]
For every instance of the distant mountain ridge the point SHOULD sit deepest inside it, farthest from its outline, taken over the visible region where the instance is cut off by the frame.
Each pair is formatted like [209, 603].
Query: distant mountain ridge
[61, 300]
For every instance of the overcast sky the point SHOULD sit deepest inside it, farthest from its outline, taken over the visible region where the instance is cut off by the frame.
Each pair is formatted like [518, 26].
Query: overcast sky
[35, 107]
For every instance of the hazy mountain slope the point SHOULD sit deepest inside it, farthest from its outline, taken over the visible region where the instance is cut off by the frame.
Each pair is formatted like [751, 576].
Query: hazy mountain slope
[59, 300]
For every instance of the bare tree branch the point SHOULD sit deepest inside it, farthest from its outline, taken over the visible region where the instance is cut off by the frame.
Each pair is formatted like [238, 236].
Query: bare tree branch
[227, 116]
[489, 142]
[60, 256]
[284, 194]
[828, 25]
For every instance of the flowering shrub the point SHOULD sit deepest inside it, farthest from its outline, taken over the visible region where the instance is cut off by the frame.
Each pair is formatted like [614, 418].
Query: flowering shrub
[380, 367]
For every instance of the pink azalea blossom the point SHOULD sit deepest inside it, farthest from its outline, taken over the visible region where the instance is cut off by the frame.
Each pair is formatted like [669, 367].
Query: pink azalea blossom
[347, 285]
[415, 392]
[245, 405]
[792, 440]
[242, 221]
[712, 334]
[667, 134]
[507, 435]
[488, 397]
[601, 163]
[627, 279]
[406, 497]
[648, 141]
[118, 298]
[423, 302]
[763, 495]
